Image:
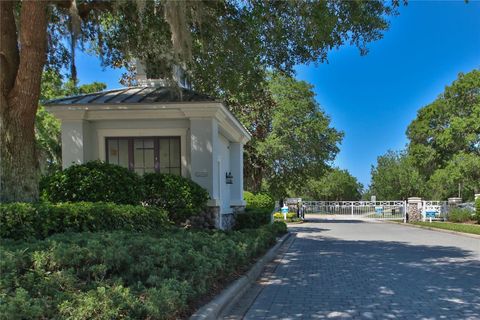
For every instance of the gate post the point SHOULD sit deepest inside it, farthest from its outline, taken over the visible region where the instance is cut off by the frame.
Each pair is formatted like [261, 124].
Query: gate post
[414, 209]
[352, 208]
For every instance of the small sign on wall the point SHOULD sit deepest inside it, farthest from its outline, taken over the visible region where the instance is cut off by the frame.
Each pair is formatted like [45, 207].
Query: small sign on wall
[430, 214]
[201, 174]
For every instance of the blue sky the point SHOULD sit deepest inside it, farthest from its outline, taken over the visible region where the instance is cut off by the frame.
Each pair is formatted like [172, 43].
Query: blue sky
[373, 98]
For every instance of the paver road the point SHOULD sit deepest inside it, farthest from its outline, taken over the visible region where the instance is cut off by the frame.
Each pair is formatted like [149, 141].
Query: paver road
[362, 270]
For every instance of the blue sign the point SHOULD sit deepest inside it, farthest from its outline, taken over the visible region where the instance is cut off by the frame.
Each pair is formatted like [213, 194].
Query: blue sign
[430, 214]
[379, 210]
[285, 210]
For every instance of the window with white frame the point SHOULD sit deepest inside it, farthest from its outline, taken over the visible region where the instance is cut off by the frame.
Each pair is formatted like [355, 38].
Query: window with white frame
[145, 154]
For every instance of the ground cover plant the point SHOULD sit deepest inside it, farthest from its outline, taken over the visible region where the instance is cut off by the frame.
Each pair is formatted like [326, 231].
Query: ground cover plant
[459, 227]
[122, 274]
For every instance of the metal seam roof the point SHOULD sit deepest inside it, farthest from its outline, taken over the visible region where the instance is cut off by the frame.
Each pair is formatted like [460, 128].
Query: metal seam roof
[135, 95]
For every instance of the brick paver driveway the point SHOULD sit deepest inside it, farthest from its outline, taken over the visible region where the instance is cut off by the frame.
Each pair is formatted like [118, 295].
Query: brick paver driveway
[362, 270]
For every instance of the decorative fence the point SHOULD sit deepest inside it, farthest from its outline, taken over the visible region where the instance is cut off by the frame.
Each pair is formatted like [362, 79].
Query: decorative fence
[394, 210]
[434, 210]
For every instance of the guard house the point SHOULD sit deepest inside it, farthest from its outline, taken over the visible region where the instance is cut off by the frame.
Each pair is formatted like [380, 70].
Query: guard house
[157, 128]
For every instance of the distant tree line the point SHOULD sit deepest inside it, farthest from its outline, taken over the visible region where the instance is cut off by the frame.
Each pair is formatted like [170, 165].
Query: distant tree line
[442, 158]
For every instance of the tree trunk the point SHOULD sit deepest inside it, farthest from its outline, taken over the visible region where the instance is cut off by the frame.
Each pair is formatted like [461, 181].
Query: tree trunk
[20, 79]
[253, 170]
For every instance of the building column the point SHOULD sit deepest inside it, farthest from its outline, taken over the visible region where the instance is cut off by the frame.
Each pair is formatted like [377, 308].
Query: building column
[74, 134]
[204, 156]
[236, 167]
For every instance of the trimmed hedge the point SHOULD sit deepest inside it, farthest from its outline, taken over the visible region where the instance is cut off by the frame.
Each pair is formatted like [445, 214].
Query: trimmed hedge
[26, 220]
[93, 181]
[122, 275]
[259, 201]
[179, 196]
[252, 218]
[96, 181]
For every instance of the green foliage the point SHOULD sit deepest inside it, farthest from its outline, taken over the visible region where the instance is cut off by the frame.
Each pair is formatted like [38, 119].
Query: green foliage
[122, 275]
[396, 178]
[299, 141]
[444, 148]
[259, 201]
[27, 220]
[336, 184]
[459, 227]
[477, 209]
[179, 196]
[291, 216]
[232, 40]
[464, 170]
[253, 218]
[448, 126]
[93, 181]
[459, 215]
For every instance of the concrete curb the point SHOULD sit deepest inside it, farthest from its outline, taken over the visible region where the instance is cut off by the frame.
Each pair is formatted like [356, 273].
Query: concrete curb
[233, 292]
[470, 235]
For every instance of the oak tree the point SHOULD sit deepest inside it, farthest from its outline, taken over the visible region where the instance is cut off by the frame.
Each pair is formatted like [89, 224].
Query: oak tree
[226, 46]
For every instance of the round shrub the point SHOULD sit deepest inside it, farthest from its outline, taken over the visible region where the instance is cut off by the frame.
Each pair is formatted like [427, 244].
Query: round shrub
[94, 181]
[258, 201]
[179, 196]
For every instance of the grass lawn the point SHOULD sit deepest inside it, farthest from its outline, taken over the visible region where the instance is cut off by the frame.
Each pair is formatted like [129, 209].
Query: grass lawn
[460, 227]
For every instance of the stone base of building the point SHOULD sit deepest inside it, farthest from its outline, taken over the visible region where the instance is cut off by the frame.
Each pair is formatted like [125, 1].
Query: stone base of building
[211, 218]
[206, 219]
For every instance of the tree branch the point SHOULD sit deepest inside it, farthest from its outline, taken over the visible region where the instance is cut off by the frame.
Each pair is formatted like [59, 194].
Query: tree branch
[85, 8]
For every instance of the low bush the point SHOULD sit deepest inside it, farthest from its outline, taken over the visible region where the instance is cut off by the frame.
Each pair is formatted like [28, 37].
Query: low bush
[291, 216]
[179, 196]
[122, 275]
[460, 215]
[26, 220]
[259, 201]
[477, 210]
[93, 181]
[252, 218]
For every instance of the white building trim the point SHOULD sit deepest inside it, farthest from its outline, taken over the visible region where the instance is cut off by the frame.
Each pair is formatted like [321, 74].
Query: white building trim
[180, 132]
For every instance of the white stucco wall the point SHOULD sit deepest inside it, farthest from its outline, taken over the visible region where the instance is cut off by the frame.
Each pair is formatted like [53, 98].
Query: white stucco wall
[211, 140]
[76, 146]
[224, 167]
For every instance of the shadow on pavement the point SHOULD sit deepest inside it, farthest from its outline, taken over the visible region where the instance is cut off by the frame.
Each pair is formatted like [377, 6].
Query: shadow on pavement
[330, 278]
